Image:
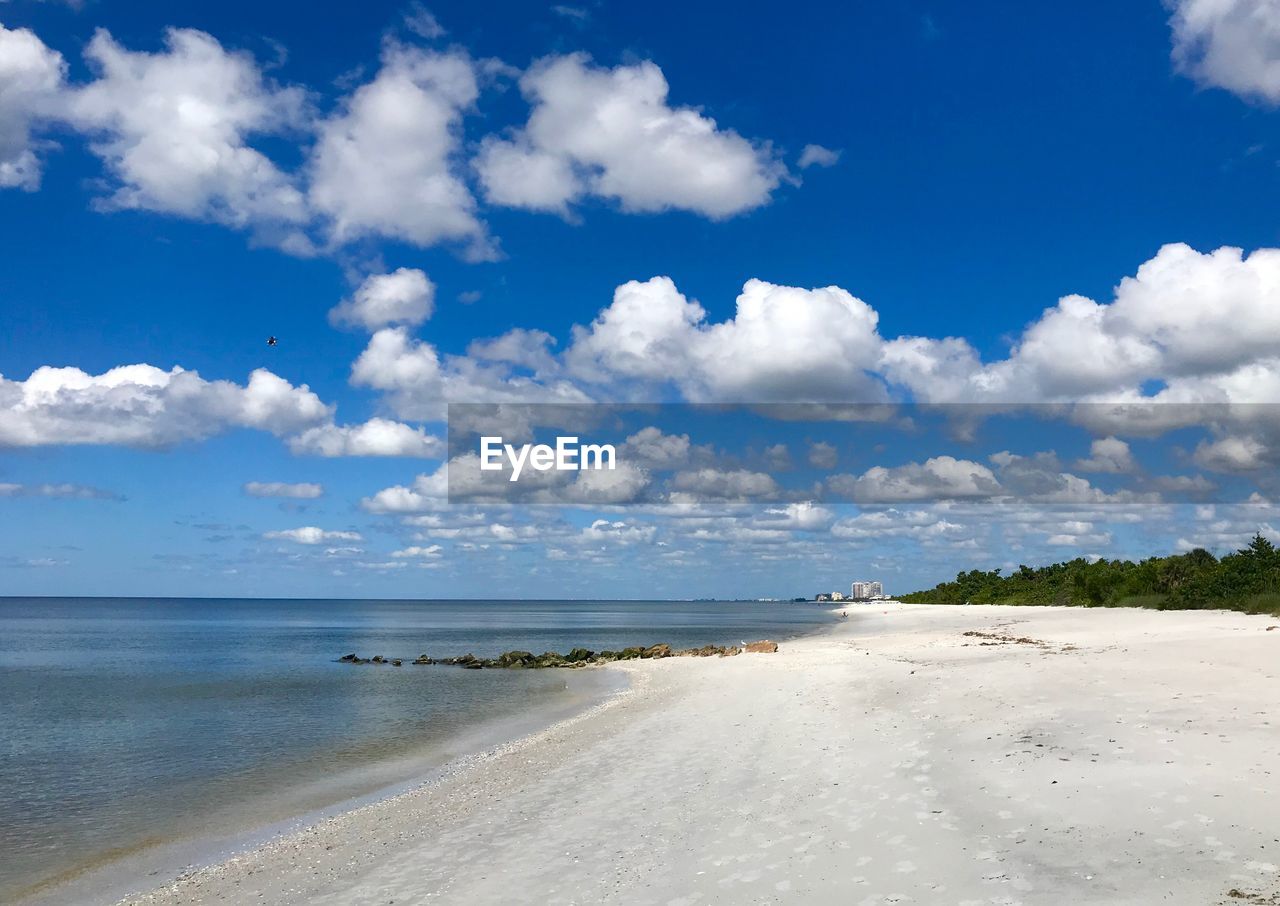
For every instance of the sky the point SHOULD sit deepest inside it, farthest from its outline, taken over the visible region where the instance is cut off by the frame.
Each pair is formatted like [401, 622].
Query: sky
[915, 204]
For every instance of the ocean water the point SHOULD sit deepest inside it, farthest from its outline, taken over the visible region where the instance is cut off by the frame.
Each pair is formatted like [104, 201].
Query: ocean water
[142, 725]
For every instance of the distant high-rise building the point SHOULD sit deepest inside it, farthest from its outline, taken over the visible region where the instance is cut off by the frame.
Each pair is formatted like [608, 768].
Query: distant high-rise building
[864, 591]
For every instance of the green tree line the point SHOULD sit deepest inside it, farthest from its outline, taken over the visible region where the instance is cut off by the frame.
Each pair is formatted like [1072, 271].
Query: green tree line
[1247, 580]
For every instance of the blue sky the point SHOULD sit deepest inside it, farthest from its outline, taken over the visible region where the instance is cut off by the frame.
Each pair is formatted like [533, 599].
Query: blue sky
[172, 198]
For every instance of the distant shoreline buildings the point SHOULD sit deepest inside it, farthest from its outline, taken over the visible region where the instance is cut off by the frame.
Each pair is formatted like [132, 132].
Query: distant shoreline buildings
[866, 591]
[858, 591]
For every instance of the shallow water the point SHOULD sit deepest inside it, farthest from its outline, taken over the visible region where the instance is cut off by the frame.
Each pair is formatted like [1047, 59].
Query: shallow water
[135, 722]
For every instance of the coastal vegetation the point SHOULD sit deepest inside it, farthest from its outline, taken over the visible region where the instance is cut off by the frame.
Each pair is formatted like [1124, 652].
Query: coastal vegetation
[1247, 580]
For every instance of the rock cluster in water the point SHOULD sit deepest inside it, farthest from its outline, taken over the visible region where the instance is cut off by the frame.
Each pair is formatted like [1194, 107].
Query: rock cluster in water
[578, 657]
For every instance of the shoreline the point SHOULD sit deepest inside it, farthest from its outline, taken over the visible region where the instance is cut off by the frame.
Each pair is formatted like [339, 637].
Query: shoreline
[116, 876]
[927, 753]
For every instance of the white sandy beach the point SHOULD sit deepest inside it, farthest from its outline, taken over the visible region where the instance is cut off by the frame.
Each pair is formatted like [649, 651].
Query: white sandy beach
[1133, 758]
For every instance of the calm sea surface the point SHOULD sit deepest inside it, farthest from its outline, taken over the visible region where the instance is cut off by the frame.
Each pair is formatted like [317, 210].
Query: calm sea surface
[130, 724]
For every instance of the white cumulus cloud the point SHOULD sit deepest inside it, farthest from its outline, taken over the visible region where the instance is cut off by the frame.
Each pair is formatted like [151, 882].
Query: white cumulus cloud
[31, 78]
[611, 133]
[1231, 44]
[310, 534]
[603, 531]
[784, 344]
[404, 296]
[419, 553]
[723, 484]
[1204, 325]
[173, 129]
[376, 437]
[145, 406]
[385, 164]
[1108, 455]
[938, 478]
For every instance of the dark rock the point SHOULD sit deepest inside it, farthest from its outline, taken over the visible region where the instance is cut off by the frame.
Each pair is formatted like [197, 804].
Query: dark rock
[577, 657]
[549, 659]
[704, 651]
[516, 659]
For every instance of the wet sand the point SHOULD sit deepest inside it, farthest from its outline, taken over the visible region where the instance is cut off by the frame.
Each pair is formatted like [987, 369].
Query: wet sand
[1052, 755]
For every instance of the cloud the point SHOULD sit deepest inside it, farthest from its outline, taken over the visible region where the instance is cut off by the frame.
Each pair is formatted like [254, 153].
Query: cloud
[823, 455]
[723, 484]
[1231, 44]
[31, 78]
[818, 156]
[144, 406]
[651, 448]
[602, 531]
[803, 517]
[1087, 539]
[190, 130]
[405, 296]
[310, 534]
[610, 133]
[34, 562]
[575, 13]
[784, 344]
[1040, 478]
[1110, 455]
[777, 458]
[428, 492]
[63, 491]
[385, 166]
[1224, 528]
[1188, 485]
[418, 383]
[302, 491]
[376, 437]
[419, 20]
[938, 478]
[173, 129]
[419, 553]
[1234, 454]
[924, 525]
[1194, 329]
[626, 483]
[519, 176]
[1204, 325]
[526, 348]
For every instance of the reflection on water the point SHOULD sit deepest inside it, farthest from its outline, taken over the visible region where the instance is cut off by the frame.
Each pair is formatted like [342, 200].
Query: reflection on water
[133, 721]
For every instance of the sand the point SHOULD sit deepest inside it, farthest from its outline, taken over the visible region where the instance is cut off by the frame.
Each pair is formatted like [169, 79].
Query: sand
[1112, 756]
